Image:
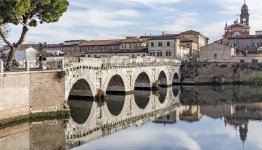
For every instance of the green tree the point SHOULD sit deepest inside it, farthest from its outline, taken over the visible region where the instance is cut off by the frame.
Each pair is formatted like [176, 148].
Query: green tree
[28, 13]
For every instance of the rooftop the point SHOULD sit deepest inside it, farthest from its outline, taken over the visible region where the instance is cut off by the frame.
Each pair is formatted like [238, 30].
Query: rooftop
[102, 42]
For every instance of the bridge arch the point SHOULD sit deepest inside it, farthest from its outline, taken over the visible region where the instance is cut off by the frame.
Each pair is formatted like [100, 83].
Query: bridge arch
[162, 78]
[142, 81]
[176, 78]
[80, 100]
[80, 89]
[115, 85]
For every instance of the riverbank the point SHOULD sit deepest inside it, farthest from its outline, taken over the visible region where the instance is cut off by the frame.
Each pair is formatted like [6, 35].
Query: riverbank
[65, 114]
[200, 73]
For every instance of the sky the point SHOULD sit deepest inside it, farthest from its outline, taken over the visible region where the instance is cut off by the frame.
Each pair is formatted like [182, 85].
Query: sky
[114, 19]
[205, 134]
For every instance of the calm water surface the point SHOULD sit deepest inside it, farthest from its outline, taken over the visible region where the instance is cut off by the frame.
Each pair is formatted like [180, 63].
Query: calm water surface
[186, 118]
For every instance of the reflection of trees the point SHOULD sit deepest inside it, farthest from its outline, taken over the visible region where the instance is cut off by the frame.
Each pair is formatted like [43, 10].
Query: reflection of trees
[220, 94]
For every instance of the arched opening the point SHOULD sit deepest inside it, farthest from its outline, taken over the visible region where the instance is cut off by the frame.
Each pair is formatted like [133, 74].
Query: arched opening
[142, 98]
[142, 82]
[176, 79]
[115, 103]
[162, 93]
[176, 90]
[162, 79]
[115, 85]
[81, 90]
[80, 101]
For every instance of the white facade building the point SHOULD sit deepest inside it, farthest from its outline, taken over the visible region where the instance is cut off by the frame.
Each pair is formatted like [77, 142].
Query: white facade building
[167, 47]
[54, 52]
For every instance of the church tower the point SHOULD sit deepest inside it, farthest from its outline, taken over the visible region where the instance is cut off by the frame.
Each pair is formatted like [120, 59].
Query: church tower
[244, 17]
[238, 29]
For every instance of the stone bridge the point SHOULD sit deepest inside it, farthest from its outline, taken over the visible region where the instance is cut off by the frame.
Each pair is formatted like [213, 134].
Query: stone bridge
[33, 90]
[90, 77]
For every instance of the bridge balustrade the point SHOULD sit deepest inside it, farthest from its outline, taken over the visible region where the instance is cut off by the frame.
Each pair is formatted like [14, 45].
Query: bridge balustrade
[99, 63]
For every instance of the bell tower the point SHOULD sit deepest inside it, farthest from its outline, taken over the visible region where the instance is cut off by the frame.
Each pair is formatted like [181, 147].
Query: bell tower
[244, 17]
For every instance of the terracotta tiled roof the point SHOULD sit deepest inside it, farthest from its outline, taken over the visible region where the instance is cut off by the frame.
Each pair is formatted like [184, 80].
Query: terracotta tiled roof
[159, 36]
[192, 32]
[183, 39]
[235, 25]
[163, 38]
[131, 40]
[139, 50]
[102, 42]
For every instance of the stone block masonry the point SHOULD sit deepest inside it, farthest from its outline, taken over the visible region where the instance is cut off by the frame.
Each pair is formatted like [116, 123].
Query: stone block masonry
[28, 93]
[221, 73]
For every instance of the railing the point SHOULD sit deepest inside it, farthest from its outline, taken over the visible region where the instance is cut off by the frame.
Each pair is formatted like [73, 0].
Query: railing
[121, 62]
[21, 66]
[101, 63]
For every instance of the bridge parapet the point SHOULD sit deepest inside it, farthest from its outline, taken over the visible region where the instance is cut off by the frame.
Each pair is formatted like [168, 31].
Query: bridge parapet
[121, 62]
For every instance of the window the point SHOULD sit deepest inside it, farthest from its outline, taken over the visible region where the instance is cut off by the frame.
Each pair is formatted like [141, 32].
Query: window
[159, 54]
[168, 117]
[242, 61]
[152, 53]
[254, 61]
[168, 53]
[152, 44]
[159, 44]
[215, 56]
[168, 44]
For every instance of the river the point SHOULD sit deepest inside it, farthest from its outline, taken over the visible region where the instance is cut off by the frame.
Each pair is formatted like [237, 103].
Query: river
[175, 118]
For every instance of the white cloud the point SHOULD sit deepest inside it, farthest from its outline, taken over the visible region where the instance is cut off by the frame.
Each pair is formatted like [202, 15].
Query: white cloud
[146, 138]
[87, 19]
[180, 23]
[150, 3]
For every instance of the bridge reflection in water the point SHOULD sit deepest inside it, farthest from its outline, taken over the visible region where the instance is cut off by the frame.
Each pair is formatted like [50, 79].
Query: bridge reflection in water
[91, 120]
[116, 113]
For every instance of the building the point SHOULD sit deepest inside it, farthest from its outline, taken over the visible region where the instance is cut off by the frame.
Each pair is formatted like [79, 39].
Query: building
[54, 52]
[198, 40]
[249, 44]
[131, 46]
[194, 48]
[237, 35]
[238, 29]
[166, 46]
[217, 52]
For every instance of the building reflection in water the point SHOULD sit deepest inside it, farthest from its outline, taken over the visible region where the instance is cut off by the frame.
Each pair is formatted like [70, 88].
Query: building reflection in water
[91, 120]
